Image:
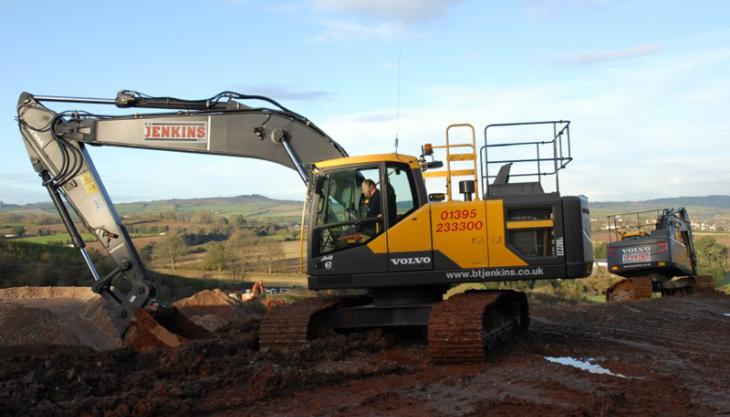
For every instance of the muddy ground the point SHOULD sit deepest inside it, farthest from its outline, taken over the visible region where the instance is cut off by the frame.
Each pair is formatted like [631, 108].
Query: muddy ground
[667, 357]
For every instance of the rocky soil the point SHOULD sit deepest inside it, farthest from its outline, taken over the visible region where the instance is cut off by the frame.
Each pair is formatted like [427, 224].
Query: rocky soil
[659, 357]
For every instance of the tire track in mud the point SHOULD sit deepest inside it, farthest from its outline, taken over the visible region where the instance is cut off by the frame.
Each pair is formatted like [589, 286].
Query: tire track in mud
[688, 326]
[684, 337]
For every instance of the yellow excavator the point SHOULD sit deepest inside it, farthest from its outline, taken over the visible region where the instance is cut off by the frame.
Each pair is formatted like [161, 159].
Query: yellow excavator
[368, 222]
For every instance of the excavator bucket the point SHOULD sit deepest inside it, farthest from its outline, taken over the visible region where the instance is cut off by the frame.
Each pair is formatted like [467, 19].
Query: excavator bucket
[629, 289]
[161, 328]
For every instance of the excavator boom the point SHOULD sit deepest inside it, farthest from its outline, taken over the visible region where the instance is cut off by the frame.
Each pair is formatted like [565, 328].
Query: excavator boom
[57, 146]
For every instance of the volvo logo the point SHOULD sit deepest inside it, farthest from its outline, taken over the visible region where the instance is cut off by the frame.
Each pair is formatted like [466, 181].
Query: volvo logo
[411, 261]
[638, 249]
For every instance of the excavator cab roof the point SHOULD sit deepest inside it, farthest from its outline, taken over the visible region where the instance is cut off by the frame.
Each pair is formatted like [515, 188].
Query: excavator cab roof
[412, 161]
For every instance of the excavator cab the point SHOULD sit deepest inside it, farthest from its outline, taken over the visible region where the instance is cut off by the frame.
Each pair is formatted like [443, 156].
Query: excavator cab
[345, 220]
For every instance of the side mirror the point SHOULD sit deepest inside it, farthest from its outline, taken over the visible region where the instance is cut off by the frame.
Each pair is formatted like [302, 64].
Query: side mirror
[437, 197]
[434, 164]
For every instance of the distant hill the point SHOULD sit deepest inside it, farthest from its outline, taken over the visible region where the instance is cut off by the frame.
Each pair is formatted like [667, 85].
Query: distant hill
[705, 206]
[252, 205]
[20, 207]
[258, 206]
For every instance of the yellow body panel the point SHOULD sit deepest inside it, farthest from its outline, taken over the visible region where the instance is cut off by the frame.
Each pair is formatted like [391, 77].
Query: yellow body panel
[462, 157]
[459, 232]
[499, 254]
[632, 234]
[413, 233]
[470, 233]
[377, 158]
[379, 244]
[452, 173]
[530, 224]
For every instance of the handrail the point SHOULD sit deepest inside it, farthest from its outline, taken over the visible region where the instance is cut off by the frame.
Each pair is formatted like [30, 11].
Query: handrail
[460, 172]
[558, 154]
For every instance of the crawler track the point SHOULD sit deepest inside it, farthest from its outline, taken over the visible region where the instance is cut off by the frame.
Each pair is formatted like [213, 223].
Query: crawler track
[293, 324]
[466, 327]
[640, 288]
[630, 289]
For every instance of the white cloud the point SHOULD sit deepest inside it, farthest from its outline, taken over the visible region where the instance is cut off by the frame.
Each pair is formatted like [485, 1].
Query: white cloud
[598, 57]
[401, 10]
[638, 132]
[362, 20]
[549, 8]
[539, 8]
[281, 92]
[21, 188]
[341, 30]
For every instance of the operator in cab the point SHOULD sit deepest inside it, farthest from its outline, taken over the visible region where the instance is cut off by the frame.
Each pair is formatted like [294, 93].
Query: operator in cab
[371, 221]
[372, 194]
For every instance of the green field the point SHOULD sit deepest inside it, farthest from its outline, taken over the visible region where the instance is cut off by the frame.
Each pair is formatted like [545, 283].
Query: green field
[55, 239]
[253, 207]
[63, 238]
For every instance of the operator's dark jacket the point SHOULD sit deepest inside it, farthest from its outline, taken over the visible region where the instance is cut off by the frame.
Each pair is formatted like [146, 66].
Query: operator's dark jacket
[374, 206]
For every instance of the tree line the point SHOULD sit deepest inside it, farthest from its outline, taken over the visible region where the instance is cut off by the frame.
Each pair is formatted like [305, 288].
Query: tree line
[242, 252]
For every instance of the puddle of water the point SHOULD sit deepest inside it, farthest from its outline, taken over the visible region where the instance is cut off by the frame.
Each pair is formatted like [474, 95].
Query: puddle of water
[582, 365]
[726, 314]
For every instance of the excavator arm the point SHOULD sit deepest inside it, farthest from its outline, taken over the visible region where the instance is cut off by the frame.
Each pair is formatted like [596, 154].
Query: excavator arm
[222, 125]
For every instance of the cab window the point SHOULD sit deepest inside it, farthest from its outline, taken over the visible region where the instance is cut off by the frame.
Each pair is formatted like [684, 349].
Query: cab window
[349, 209]
[401, 192]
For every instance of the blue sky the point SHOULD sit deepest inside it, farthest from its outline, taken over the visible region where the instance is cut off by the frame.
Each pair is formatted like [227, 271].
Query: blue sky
[645, 83]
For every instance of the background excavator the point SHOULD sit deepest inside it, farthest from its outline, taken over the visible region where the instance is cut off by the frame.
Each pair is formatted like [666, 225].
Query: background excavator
[649, 249]
[404, 248]
[258, 293]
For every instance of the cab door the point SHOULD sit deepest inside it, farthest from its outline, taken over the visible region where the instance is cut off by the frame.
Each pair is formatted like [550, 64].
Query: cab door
[408, 225]
[341, 231]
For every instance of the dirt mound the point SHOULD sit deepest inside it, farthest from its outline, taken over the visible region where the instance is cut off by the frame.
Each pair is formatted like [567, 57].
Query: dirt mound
[95, 310]
[213, 309]
[24, 293]
[23, 325]
[76, 312]
[199, 378]
[209, 321]
[666, 357]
